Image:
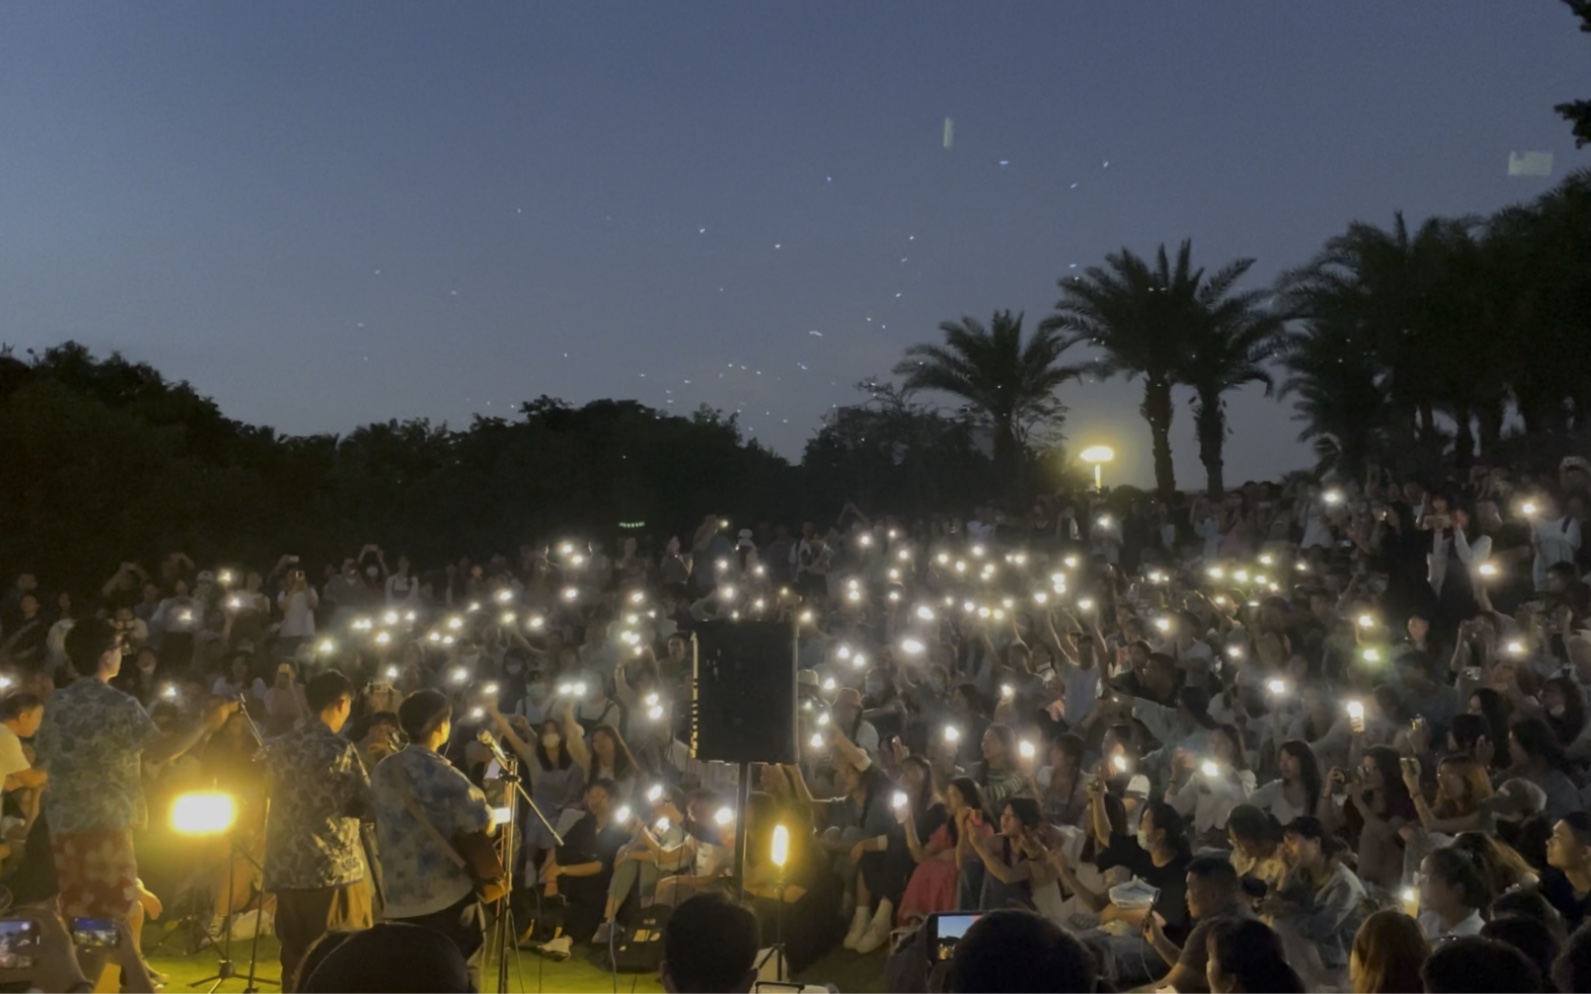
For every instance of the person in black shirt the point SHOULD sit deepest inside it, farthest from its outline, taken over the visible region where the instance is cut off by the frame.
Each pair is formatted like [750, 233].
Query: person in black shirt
[583, 866]
[1158, 855]
[1567, 882]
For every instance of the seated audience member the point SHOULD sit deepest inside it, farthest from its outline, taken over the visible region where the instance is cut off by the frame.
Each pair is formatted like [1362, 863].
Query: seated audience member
[1572, 970]
[1319, 907]
[1388, 951]
[393, 956]
[1452, 895]
[1015, 952]
[1215, 894]
[709, 945]
[1529, 904]
[1473, 965]
[1245, 957]
[1530, 936]
[1567, 883]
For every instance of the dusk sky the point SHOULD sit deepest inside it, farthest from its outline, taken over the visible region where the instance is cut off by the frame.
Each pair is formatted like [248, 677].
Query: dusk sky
[325, 214]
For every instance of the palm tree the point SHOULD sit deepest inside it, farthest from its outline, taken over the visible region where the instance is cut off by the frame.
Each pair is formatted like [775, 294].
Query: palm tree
[1147, 321]
[1238, 337]
[1334, 376]
[1009, 384]
[1397, 284]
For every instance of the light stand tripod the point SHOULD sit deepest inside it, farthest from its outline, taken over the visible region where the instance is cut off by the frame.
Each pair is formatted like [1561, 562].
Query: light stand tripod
[504, 933]
[225, 969]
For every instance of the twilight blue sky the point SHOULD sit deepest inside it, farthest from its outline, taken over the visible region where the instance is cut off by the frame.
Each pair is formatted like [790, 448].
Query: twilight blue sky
[324, 214]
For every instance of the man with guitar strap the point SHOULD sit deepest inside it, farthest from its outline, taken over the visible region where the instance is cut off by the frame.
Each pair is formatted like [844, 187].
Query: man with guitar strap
[437, 860]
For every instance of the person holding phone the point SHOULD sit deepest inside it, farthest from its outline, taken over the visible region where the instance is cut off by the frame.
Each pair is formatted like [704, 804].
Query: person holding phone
[298, 601]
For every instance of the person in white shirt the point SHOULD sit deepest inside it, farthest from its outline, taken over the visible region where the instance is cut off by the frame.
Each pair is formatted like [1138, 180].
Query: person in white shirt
[1555, 537]
[1297, 791]
[1472, 553]
[19, 719]
[1452, 894]
[403, 587]
[1207, 788]
[298, 602]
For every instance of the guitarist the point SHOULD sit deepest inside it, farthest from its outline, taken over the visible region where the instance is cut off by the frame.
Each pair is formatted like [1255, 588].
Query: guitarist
[319, 790]
[432, 825]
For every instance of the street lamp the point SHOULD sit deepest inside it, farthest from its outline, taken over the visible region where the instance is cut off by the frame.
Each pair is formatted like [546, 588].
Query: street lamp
[1097, 456]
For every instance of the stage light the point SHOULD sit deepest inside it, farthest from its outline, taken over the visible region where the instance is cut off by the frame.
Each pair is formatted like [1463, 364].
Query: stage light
[203, 812]
[779, 851]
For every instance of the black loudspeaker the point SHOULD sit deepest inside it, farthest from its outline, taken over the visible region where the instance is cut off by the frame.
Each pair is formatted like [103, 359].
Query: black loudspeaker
[745, 692]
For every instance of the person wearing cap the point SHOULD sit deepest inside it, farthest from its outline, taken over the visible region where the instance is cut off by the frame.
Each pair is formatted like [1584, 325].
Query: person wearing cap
[423, 883]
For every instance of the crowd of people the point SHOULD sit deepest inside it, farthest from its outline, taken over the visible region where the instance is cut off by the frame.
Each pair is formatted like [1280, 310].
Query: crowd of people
[1313, 735]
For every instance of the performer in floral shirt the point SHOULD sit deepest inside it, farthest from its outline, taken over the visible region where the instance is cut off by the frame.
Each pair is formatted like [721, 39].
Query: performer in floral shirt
[422, 883]
[313, 861]
[91, 742]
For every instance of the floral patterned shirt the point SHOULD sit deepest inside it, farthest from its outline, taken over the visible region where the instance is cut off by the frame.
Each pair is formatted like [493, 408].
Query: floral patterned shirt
[418, 877]
[318, 783]
[91, 741]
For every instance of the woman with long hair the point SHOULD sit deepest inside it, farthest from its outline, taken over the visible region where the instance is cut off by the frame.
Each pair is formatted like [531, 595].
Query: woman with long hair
[1246, 957]
[998, 775]
[1499, 863]
[1061, 782]
[929, 821]
[1388, 951]
[1296, 791]
[1017, 872]
[1378, 807]
[1461, 785]
[604, 756]
[1319, 905]
[555, 781]
[1256, 839]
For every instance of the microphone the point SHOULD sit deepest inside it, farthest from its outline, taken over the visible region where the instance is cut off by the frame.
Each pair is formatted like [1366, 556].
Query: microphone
[484, 737]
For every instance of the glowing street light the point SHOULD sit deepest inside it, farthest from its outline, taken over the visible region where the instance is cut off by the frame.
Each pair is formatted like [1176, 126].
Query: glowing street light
[1097, 456]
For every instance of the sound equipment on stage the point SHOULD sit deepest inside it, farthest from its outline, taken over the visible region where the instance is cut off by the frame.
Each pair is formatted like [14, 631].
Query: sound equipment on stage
[744, 693]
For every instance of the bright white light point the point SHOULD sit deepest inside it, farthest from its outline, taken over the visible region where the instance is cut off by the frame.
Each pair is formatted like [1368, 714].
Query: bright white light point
[1074, 186]
[777, 245]
[701, 231]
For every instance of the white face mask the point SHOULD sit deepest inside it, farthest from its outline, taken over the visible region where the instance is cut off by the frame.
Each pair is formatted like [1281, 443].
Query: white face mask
[1143, 840]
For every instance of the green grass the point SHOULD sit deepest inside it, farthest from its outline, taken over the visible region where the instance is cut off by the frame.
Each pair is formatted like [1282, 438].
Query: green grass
[846, 970]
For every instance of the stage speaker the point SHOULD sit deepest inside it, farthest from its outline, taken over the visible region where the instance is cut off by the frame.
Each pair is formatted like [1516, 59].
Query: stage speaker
[744, 694]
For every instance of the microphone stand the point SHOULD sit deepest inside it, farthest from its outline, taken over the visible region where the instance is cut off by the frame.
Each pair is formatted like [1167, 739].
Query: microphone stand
[506, 934]
[225, 970]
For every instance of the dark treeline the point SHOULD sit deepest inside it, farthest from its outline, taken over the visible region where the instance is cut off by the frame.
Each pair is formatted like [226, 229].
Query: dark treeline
[106, 460]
